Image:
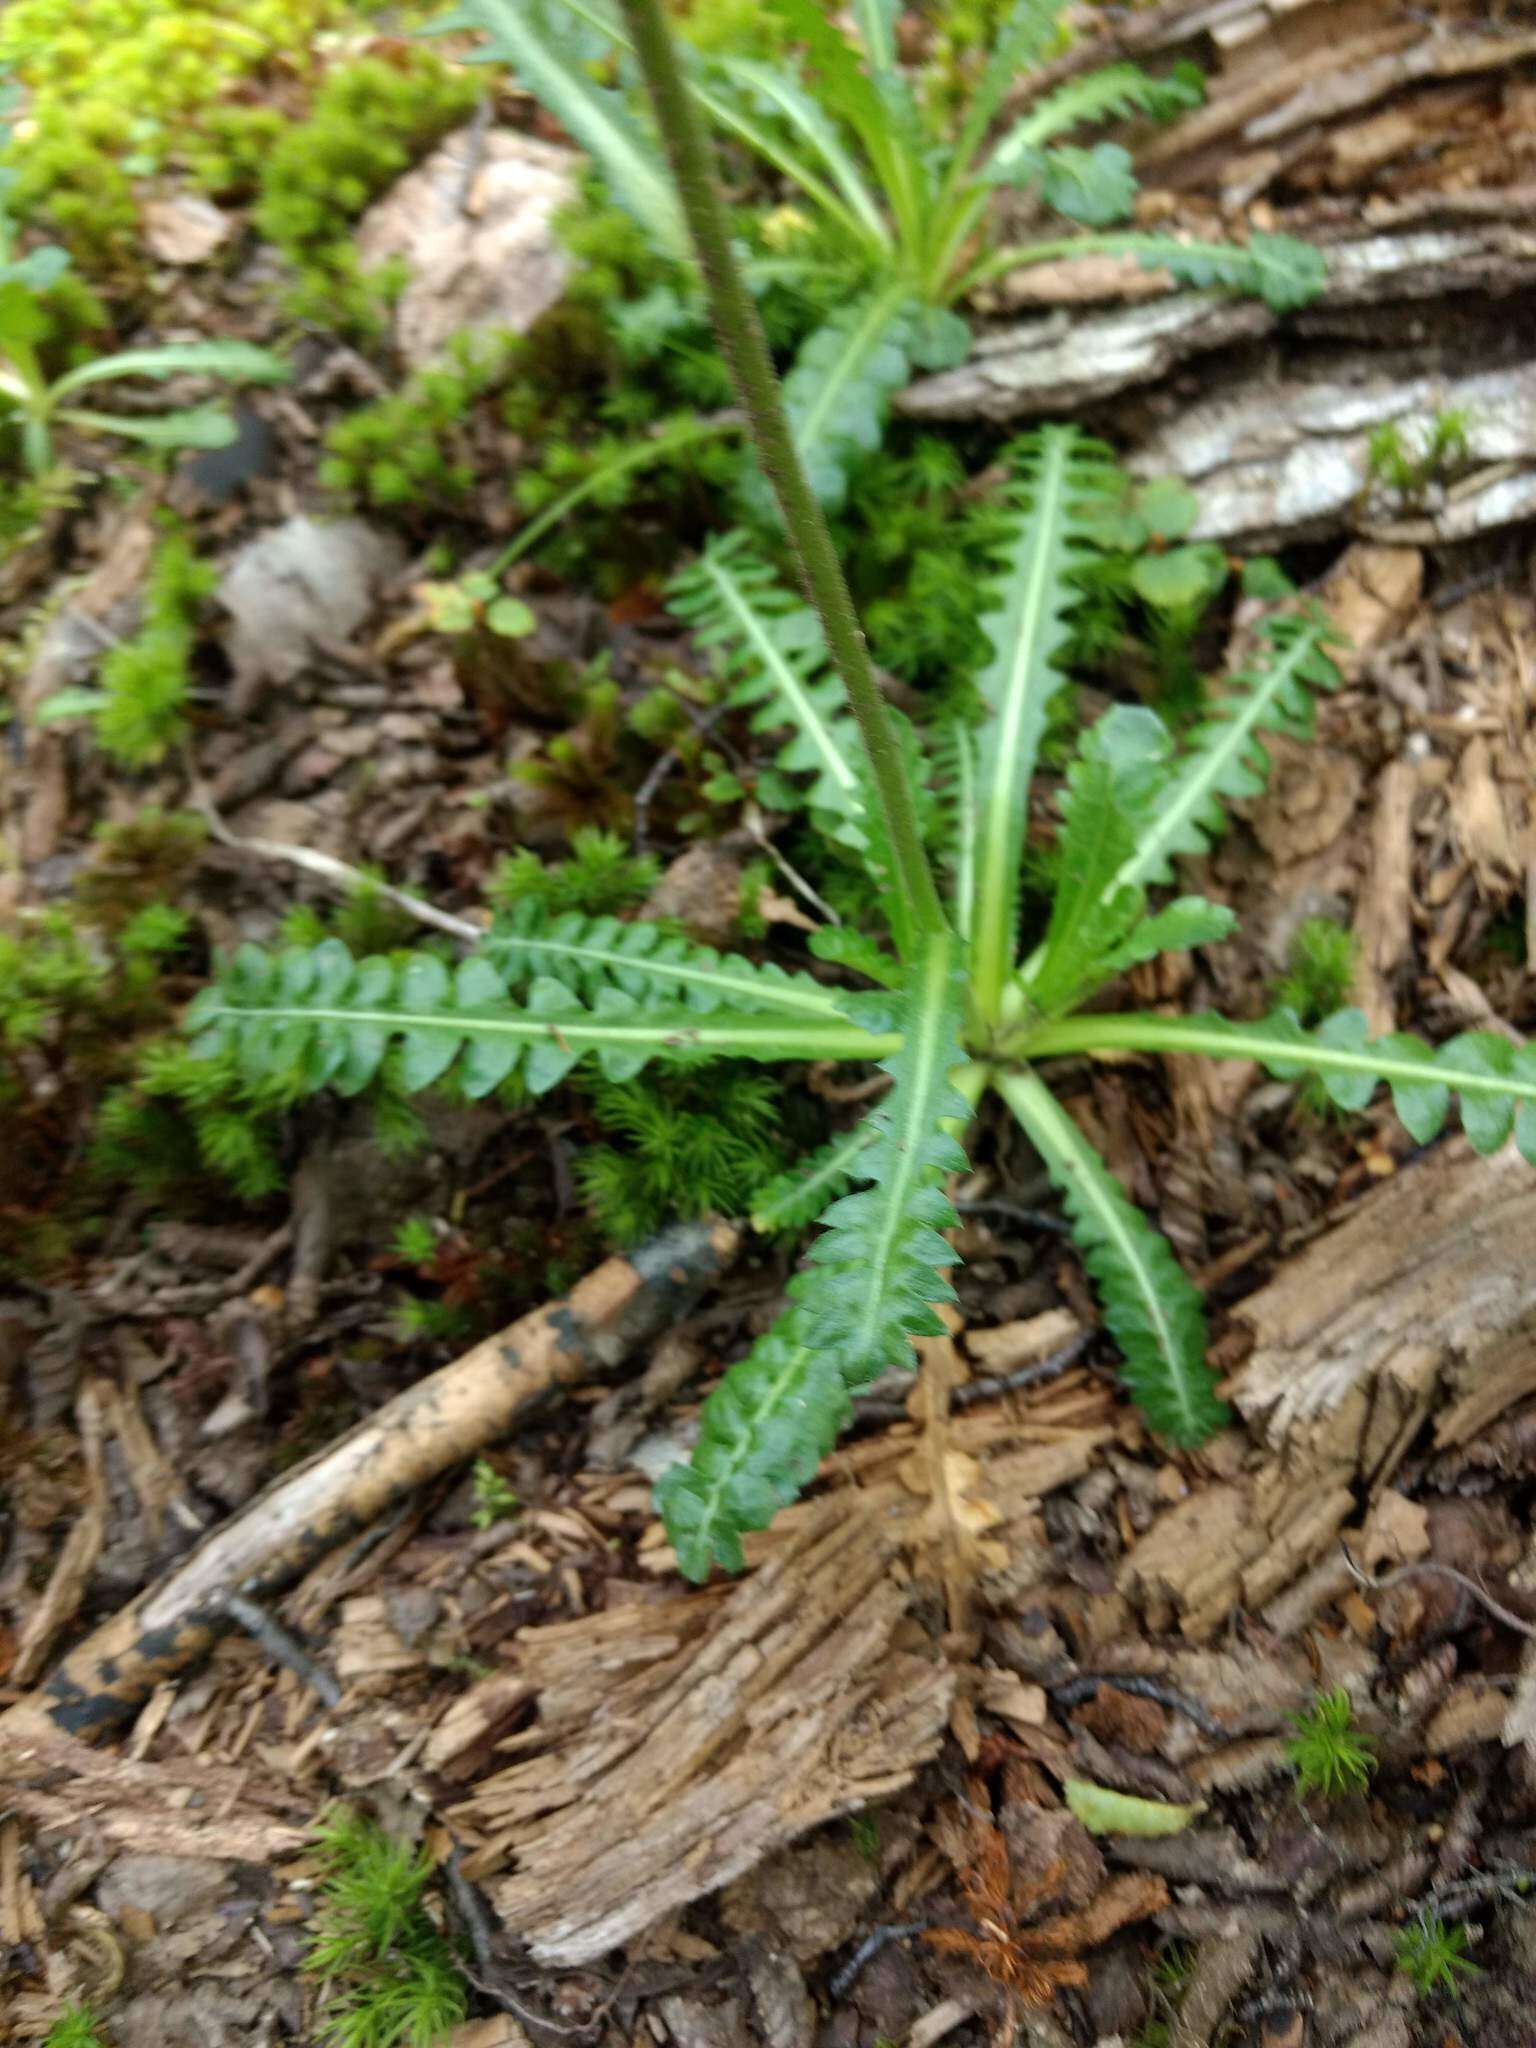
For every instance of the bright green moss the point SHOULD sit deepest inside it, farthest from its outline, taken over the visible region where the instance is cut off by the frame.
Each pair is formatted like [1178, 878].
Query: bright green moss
[145, 678]
[414, 446]
[116, 89]
[371, 120]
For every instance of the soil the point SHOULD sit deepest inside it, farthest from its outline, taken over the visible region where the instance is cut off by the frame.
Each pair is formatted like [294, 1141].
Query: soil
[824, 1804]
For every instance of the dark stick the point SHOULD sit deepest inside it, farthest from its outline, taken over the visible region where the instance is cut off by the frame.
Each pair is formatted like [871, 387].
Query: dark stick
[282, 1647]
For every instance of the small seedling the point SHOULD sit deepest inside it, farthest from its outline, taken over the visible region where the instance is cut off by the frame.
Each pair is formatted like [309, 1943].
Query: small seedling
[415, 1241]
[1328, 1752]
[495, 1500]
[864, 1830]
[1320, 970]
[388, 1977]
[1390, 460]
[39, 404]
[475, 600]
[1434, 1957]
[75, 2027]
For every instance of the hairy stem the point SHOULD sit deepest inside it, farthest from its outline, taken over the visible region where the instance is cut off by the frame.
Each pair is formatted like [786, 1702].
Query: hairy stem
[746, 351]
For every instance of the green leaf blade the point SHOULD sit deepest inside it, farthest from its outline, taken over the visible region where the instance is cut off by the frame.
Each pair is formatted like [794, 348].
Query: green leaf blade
[1027, 630]
[1151, 1308]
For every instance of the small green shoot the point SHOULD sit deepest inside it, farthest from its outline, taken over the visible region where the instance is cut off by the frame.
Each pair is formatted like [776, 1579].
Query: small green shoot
[1328, 1753]
[75, 2027]
[864, 1831]
[1320, 970]
[415, 1241]
[388, 1977]
[1409, 471]
[495, 1501]
[1174, 1968]
[1434, 1957]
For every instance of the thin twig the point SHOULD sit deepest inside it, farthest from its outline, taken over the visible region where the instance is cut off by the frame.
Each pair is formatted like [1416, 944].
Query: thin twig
[1073, 1691]
[338, 872]
[1035, 1375]
[282, 1647]
[1426, 1568]
[1513, 1882]
[753, 824]
[1035, 1219]
[867, 1950]
[487, 1975]
[877, 1409]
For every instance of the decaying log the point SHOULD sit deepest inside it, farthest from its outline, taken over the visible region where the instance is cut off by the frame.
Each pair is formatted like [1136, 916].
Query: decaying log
[679, 1745]
[1392, 138]
[1419, 1306]
[1066, 358]
[438, 1423]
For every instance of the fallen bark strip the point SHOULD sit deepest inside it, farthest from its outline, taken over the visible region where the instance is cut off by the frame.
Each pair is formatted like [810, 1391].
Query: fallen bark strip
[190, 1807]
[678, 1745]
[438, 1423]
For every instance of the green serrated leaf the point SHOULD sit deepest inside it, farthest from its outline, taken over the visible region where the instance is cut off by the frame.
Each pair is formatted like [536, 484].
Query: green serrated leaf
[589, 954]
[875, 1270]
[1151, 1308]
[762, 1435]
[1223, 758]
[1492, 1078]
[797, 1197]
[770, 646]
[1111, 792]
[333, 1020]
[1027, 628]
[838, 392]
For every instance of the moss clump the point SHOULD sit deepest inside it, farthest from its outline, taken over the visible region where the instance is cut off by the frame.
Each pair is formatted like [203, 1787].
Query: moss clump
[145, 678]
[117, 88]
[414, 447]
[370, 121]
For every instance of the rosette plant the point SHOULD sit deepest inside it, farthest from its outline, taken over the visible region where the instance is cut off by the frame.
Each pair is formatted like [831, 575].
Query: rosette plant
[957, 1000]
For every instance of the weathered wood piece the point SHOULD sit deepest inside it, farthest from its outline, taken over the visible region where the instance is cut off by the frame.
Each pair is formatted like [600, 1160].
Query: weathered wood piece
[1287, 459]
[1420, 1305]
[1423, 1302]
[679, 1745]
[677, 1742]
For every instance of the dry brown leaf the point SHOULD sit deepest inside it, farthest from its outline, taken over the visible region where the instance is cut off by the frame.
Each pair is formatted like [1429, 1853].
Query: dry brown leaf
[1028, 1961]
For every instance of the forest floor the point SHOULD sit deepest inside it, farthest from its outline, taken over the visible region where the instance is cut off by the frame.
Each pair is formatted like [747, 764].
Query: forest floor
[821, 1804]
